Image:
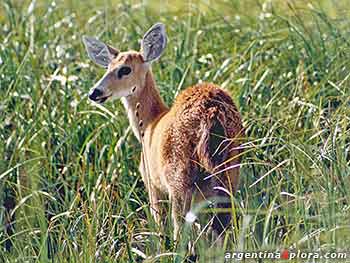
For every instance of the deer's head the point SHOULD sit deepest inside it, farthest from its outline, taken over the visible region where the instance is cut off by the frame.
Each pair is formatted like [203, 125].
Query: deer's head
[126, 71]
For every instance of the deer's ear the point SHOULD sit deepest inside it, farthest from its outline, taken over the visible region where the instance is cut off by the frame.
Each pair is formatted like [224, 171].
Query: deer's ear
[99, 52]
[153, 42]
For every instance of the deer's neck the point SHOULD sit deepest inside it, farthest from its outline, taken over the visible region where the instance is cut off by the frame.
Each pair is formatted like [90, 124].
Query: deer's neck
[144, 105]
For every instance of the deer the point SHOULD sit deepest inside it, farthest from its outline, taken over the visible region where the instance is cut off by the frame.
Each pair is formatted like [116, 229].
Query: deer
[190, 151]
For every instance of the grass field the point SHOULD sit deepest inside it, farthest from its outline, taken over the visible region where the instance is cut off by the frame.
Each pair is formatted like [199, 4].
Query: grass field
[70, 190]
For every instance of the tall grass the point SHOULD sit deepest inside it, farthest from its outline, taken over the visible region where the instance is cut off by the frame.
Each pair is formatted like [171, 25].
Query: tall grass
[70, 190]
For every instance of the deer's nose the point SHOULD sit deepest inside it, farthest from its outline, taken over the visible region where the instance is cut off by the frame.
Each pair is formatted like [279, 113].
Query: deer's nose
[95, 94]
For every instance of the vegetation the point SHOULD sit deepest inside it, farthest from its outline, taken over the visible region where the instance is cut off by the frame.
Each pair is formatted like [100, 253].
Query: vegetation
[70, 190]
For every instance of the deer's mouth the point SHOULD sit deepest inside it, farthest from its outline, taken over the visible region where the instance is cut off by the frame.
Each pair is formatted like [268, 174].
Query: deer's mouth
[102, 99]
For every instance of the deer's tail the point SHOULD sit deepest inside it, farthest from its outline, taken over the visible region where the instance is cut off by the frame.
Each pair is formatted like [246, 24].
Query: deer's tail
[219, 155]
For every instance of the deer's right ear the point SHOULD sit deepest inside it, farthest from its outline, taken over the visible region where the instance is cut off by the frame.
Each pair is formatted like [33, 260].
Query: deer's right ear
[99, 52]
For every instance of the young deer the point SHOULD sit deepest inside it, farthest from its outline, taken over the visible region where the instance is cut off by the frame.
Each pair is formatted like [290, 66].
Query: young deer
[188, 151]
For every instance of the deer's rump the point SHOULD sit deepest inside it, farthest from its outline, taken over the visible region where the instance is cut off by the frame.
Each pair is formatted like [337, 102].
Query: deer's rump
[204, 133]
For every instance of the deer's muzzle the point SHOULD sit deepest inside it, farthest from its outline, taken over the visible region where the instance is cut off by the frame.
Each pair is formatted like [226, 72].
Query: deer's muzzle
[95, 94]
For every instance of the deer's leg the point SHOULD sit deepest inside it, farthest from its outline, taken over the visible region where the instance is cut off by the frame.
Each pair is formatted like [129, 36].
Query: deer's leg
[229, 181]
[153, 194]
[156, 211]
[180, 205]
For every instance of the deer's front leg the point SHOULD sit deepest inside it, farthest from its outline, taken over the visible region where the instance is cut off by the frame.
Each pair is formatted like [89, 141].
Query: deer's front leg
[154, 198]
[153, 193]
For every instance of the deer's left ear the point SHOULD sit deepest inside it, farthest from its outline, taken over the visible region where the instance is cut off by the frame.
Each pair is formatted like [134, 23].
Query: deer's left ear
[99, 52]
[153, 42]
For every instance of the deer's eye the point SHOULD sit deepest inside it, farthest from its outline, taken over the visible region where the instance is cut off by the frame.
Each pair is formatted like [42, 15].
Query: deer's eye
[123, 71]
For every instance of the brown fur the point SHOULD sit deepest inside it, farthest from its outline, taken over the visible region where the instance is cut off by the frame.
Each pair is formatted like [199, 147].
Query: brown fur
[181, 145]
[181, 154]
